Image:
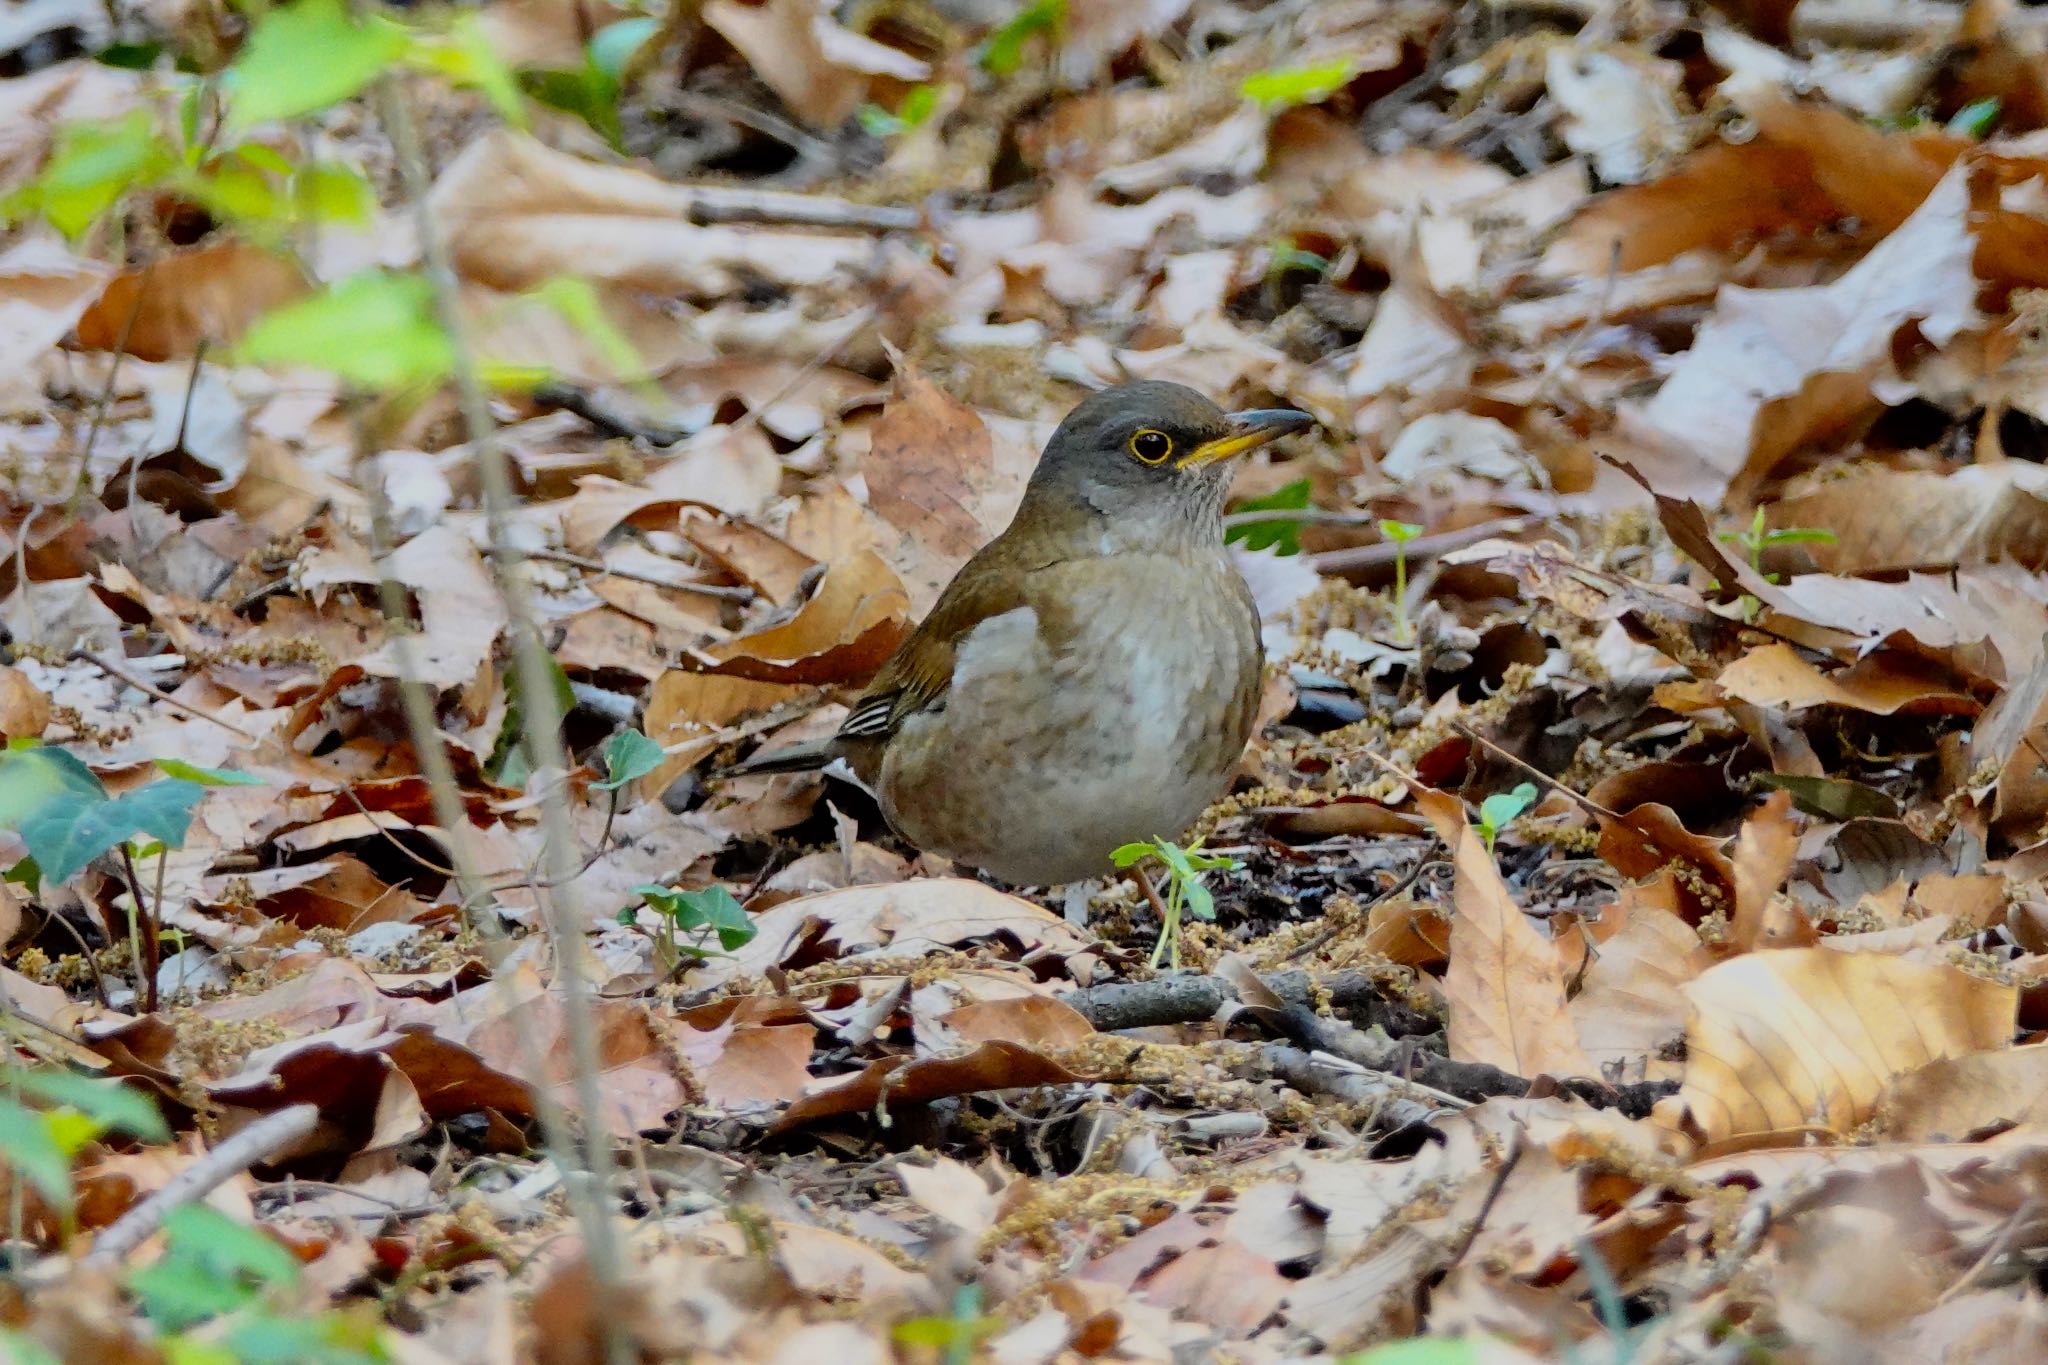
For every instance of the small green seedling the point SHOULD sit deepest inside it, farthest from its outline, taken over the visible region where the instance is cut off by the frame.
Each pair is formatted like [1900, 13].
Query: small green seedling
[915, 110]
[1499, 810]
[1003, 53]
[1758, 537]
[1285, 87]
[1401, 532]
[1184, 892]
[956, 1336]
[689, 920]
[1976, 119]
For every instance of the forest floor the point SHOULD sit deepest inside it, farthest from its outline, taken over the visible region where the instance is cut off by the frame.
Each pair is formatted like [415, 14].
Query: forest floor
[435, 445]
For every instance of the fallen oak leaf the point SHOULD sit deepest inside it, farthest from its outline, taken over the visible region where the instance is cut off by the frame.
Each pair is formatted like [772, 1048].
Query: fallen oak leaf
[851, 624]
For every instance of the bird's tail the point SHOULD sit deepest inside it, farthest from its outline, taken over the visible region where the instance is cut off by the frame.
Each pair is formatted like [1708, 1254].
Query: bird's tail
[793, 758]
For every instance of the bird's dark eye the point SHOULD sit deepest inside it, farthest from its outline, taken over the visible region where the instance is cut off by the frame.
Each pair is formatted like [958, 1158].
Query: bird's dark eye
[1151, 446]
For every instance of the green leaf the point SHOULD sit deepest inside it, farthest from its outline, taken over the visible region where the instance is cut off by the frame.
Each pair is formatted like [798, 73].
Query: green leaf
[1975, 119]
[32, 775]
[306, 56]
[179, 1293]
[1003, 53]
[30, 1147]
[67, 833]
[628, 757]
[1283, 87]
[1400, 532]
[1282, 537]
[329, 192]
[374, 329]
[1800, 535]
[507, 765]
[91, 166]
[464, 56]
[613, 46]
[327, 1339]
[1499, 810]
[207, 777]
[114, 1107]
[1127, 854]
[713, 908]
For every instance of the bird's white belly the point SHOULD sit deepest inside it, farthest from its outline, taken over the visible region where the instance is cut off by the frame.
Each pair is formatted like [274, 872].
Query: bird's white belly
[1047, 759]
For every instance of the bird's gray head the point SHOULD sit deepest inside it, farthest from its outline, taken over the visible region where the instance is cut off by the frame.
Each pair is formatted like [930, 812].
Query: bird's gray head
[1151, 457]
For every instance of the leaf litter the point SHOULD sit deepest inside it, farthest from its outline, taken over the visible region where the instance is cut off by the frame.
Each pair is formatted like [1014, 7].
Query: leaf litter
[1680, 377]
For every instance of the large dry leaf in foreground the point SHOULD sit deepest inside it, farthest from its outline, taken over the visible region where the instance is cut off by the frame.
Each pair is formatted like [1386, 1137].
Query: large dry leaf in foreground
[1505, 983]
[209, 294]
[1631, 1010]
[1776, 675]
[1784, 1042]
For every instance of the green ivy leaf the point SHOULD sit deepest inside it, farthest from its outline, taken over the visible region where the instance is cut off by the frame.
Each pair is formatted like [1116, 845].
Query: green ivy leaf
[628, 757]
[306, 56]
[375, 329]
[32, 775]
[713, 908]
[211, 1265]
[70, 831]
[1281, 537]
[114, 1107]
[207, 777]
[1498, 811]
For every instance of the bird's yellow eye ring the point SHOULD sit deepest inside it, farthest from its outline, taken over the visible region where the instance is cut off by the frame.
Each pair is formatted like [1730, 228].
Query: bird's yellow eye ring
[1151, 447]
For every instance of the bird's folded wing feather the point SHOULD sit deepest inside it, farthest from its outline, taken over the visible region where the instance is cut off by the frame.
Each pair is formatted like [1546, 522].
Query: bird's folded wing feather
[918, 675]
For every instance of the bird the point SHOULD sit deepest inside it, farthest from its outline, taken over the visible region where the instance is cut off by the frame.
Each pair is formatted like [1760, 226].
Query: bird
[1090, 677]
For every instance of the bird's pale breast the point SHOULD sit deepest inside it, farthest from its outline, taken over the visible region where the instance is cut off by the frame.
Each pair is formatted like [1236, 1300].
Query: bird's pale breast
[1117, 714]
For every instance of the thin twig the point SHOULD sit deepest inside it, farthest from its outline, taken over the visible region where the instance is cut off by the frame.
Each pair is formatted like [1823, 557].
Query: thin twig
[578, 1161]
[588, 565]
[121, 675]
[260, 1141]
[1382, 555]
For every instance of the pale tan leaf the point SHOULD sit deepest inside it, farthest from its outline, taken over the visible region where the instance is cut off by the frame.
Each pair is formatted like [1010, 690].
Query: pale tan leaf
[1631, 1010]
[1920, 519]
[1776, 675]
[1505, 983]
[852, 622]
[1763, 859]
[1956, 1096]
[1786, 1041]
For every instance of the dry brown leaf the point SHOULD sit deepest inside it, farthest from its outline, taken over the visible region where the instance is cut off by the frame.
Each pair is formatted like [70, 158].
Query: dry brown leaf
[1650, 838]
[745, 1066]
[1777, 675]
[1952, 1098]
[768, 563]
[24, 707]
[1772, 367]
[518, 214]
[460, 610]
[853, 621]
[996, 1065]
[686, 712]
[1631, 1011]
[903, 919]
[1034, 1020]
[635, 1077]
[1505, 983]
[821, 70]
[1785, 1042]
[1919, 519]
[208, 294]
[1764, 852]
[940, 480]
[43, 291]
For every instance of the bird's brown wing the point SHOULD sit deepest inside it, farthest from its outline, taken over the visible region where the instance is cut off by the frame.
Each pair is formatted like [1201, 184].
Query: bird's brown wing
[917, 676]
